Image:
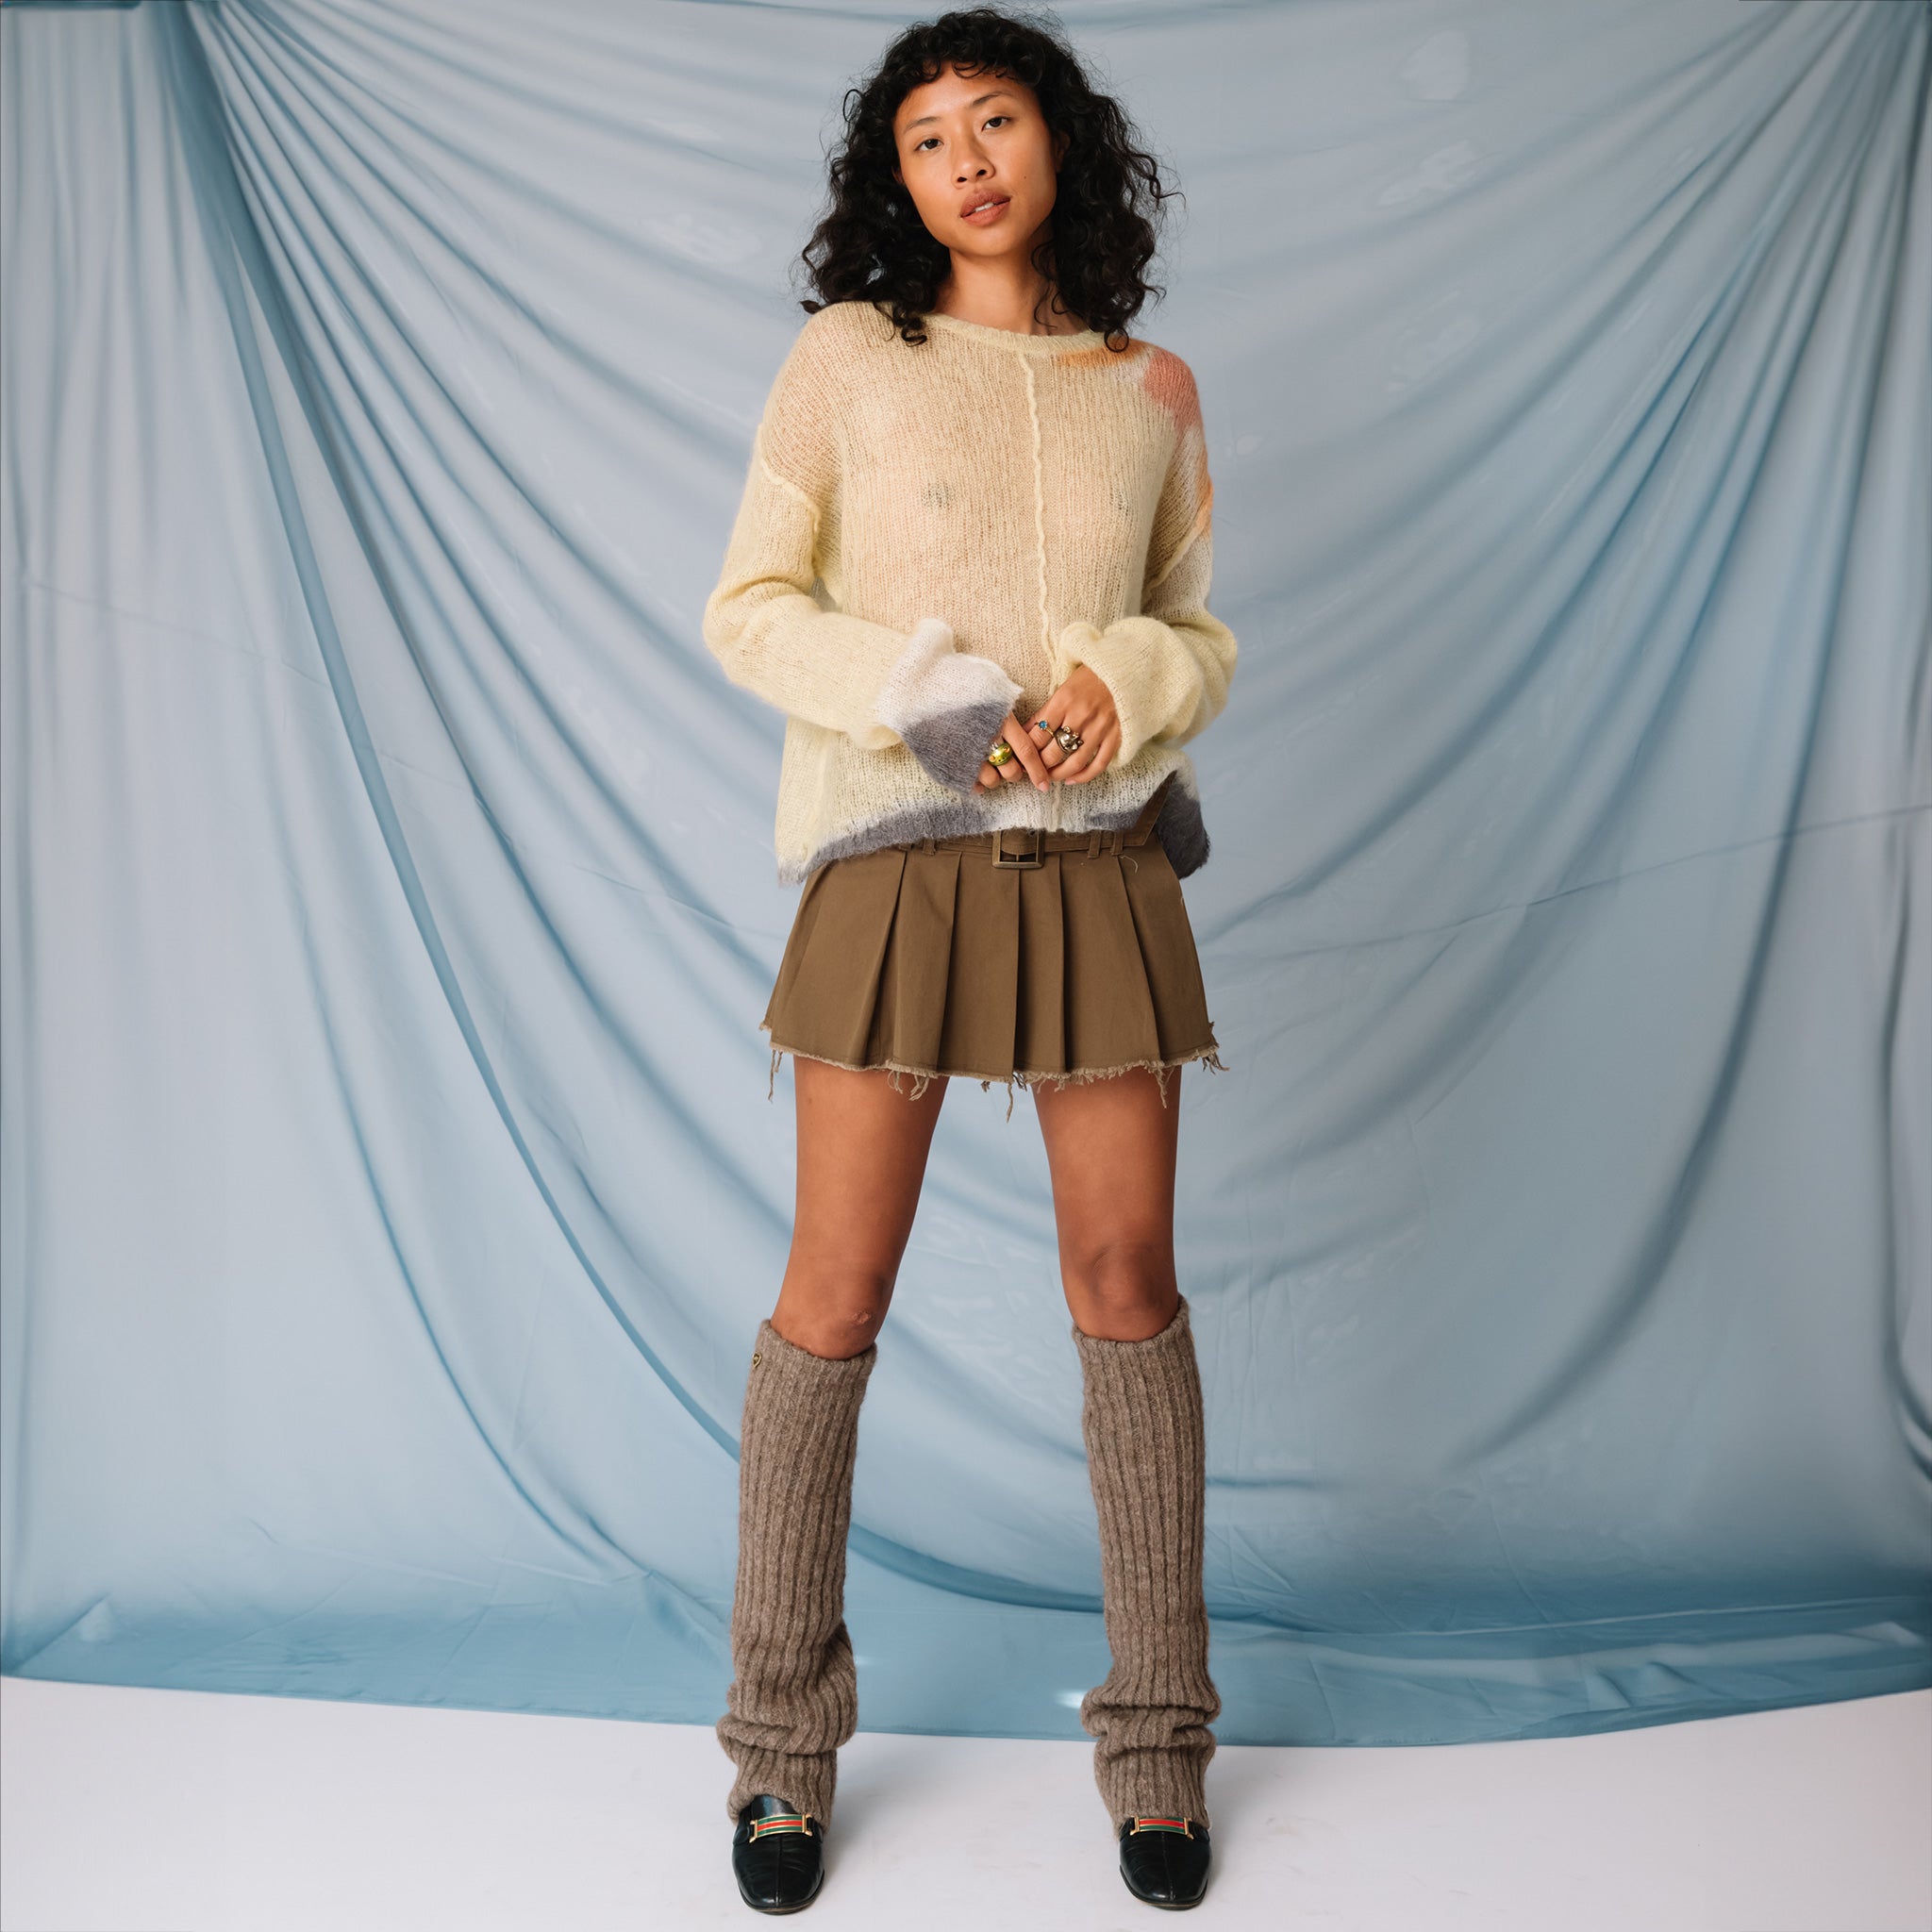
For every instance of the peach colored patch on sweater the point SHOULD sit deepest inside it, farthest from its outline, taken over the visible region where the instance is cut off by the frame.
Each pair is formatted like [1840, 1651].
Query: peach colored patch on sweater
[1101, 357]
[1170, 384]
[1166, 382]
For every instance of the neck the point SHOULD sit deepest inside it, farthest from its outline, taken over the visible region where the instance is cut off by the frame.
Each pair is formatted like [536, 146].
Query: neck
[996, 296]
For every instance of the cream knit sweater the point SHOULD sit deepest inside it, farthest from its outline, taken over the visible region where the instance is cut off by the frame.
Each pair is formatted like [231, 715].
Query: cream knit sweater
[932, 535]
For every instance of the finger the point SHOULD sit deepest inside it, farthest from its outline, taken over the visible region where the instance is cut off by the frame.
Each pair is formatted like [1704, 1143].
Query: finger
[1050, 753]
[1048, 746]
[1010, 771]
[1058, 757]
[992, 776]
[1026, 754]
[1096, 755]
[1077, 761]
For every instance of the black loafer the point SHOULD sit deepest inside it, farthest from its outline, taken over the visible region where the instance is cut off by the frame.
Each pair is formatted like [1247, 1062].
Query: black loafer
[777, 1855]
[1164, 1860]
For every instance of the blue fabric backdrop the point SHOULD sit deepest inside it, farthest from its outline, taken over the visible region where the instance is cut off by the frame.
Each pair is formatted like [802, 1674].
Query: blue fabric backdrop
[391, 1186]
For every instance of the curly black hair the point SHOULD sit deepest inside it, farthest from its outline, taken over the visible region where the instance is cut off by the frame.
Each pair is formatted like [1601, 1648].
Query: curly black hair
[872, 246]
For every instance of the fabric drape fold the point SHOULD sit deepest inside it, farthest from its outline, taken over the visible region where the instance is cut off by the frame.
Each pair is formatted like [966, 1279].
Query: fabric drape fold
[387, 1177]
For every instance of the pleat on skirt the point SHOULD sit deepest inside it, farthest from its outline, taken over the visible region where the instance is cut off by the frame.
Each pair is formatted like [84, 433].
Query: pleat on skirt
[926, 958]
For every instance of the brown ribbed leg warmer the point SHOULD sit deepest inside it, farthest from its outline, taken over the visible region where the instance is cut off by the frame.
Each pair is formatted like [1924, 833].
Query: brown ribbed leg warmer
[794, 1699]
[1146, 1456]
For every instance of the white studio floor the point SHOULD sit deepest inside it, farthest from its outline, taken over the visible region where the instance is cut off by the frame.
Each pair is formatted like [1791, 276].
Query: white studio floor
[130, 1811]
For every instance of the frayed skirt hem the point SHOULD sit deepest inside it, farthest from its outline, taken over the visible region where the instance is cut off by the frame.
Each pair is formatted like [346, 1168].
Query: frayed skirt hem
[1208, 1057]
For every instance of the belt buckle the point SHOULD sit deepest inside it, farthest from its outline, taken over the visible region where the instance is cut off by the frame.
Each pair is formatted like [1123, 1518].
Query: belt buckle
[1003, 861]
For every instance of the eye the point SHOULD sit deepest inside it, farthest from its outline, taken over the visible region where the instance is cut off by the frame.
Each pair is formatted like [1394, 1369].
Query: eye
[991, 119]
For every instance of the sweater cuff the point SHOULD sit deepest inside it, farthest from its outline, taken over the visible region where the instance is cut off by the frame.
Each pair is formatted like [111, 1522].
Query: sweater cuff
[946, 703]
[1134, 658]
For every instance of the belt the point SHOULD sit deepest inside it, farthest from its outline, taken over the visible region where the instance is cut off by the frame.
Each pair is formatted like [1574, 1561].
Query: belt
[1020, 848]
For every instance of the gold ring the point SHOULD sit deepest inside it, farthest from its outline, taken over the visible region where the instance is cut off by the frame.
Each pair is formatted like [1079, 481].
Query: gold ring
[1000, 753]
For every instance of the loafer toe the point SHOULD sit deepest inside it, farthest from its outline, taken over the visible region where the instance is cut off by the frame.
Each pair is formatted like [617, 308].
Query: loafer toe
[1164, 1860]
[777, 1855]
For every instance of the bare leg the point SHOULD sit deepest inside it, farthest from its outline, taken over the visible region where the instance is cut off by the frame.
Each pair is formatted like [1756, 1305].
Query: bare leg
[863, 1148]
[1111, 1147]
[793, 1698]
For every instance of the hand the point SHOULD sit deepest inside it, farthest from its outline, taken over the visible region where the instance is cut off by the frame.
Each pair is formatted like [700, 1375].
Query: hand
[1085, 707]
[1026, 762]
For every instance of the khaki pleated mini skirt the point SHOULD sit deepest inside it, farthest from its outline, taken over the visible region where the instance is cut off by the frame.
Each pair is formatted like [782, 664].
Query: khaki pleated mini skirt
[1020, 956]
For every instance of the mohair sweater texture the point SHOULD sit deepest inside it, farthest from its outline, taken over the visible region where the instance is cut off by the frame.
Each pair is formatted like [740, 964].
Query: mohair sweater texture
[933, 534]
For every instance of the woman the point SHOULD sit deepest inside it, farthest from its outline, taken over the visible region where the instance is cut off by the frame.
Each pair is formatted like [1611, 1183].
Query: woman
[1004, 503]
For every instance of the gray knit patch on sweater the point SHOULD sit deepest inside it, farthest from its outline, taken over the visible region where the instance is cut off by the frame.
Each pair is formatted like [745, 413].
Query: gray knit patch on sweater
[1182, 832]
[952, 745]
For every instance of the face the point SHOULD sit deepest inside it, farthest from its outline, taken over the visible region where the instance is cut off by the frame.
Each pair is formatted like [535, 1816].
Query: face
[964, 140]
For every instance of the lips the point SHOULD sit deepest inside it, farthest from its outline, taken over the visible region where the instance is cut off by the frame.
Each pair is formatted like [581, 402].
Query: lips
[985, 204]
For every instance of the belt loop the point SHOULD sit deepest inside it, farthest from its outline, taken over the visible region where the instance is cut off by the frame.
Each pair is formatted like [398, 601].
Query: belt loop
[929, 843]
[1093, 847]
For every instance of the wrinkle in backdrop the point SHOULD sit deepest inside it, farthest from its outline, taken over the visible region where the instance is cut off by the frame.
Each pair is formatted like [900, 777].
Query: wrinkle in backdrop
[391, 1190]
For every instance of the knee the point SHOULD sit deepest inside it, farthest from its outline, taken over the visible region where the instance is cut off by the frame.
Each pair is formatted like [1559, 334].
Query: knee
[1121, 1288]
[837, 1315]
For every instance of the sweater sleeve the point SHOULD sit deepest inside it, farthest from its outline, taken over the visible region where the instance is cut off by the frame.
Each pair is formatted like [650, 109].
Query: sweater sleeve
[1169, 668]
[772, 634]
